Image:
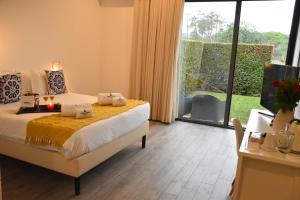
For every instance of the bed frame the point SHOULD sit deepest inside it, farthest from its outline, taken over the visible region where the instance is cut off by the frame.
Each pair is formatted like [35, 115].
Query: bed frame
[72, 167]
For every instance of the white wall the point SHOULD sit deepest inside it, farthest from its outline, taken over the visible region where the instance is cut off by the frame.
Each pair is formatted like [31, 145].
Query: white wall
[92, 40]
[116, 39]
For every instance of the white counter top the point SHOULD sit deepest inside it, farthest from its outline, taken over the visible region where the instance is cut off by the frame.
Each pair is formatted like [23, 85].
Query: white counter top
[260, 123]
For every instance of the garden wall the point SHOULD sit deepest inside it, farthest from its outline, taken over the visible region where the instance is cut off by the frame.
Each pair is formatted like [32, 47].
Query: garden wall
[209, 63]
[249, 68]
[191, 65]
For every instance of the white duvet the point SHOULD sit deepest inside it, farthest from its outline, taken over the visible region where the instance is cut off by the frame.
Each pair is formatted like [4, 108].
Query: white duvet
[13, 126]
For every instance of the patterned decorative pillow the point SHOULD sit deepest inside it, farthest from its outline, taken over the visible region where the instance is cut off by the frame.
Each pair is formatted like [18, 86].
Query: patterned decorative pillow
[10, 88]
[56, 82]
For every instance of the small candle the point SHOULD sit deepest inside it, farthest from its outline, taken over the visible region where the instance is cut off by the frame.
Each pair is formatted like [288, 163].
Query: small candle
[50, 106]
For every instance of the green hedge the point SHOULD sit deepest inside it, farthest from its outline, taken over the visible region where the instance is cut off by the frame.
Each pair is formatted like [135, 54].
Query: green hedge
[249, 68]
[209, 62]
[191, 60]
[215, 66]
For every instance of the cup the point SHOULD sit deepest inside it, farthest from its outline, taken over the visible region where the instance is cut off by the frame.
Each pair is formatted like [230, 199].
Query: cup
[269, 142]
[283, 140]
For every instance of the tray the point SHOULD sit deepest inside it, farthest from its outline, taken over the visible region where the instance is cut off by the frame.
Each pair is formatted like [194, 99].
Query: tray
[39, 109]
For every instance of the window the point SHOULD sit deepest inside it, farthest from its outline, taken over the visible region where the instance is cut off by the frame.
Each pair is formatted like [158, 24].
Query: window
[224, 47]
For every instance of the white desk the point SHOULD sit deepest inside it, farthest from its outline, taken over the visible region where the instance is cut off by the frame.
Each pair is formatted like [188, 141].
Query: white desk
[263, 175]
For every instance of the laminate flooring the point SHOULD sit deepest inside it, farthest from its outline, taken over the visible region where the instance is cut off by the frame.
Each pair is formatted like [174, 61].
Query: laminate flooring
[182, 161]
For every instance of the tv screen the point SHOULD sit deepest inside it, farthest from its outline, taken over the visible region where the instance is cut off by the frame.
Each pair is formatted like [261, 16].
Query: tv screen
[274, 72]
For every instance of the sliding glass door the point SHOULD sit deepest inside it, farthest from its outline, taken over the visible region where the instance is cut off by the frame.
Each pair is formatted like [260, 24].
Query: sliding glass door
[205, 60]
[224, 47]
[263, 38]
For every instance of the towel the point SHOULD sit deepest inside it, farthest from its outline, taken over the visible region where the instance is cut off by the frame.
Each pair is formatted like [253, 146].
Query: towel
[119, 101]
[84, 111]
[68, 110]
[76, 110]
[106, 98]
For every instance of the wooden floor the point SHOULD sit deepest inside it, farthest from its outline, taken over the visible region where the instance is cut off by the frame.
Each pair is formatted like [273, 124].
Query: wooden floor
[182, 161]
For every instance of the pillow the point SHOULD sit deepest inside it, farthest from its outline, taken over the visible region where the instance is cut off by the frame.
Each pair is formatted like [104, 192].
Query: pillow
[10, 88]
[56, 82]
[38, 82]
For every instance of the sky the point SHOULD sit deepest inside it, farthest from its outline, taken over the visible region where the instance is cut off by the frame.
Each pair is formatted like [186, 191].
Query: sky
[266, 16]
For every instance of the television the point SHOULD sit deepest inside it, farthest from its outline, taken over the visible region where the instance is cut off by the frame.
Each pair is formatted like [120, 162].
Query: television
[274, 72]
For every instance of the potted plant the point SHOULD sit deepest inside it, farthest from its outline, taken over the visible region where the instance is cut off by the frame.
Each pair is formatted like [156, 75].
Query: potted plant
[286, 99]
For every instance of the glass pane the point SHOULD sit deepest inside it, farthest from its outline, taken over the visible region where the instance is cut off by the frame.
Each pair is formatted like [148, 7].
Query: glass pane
[263, 38]
[205, 60]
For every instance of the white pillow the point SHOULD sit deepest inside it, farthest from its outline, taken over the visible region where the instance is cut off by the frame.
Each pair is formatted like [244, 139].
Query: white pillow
[38, 82]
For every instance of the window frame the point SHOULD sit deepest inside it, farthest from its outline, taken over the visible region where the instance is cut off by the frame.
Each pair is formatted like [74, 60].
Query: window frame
[289, 58]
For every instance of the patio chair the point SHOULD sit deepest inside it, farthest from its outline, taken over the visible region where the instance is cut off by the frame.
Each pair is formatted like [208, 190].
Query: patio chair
[207, 108]
[185, 105]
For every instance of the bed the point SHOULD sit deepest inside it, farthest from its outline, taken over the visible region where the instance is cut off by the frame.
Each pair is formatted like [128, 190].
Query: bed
[85, 149]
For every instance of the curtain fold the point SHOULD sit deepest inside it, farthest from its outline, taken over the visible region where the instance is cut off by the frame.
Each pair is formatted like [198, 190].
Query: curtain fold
[154, 65]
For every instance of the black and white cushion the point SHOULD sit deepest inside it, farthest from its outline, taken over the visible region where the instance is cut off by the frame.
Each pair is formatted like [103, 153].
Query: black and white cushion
[10, 88]
[56, 82]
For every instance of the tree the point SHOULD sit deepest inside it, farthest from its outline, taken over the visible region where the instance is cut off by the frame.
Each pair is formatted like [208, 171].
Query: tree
[212, 28]
[280, 41]
[247, 34]
[205, 26]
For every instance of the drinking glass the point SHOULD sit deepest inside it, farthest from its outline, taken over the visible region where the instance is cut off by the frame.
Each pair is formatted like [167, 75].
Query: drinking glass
[52, 98]
[285, 139]
[45, 98]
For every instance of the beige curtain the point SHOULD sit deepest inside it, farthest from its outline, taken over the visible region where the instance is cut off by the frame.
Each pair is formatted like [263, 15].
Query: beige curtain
[154, 72]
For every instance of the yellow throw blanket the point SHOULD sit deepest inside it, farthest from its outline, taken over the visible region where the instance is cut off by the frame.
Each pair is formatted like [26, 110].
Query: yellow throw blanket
[54, 130]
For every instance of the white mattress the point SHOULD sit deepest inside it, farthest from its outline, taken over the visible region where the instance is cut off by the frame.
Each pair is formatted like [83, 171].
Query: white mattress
[87, 139]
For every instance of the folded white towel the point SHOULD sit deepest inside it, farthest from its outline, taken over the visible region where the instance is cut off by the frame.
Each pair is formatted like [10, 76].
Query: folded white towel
[76, 110]
[106, 98]
[119, 101]
[84, 111]
[68, 110]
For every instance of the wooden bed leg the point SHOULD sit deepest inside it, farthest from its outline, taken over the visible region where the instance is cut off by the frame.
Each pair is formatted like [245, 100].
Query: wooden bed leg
[77, 186]
[144, 141]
